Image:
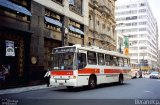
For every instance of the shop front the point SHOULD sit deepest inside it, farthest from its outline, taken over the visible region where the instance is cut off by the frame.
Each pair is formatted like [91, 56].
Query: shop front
[13, 57]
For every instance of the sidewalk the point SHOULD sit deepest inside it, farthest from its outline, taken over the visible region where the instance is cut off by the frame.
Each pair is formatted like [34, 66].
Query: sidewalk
[22, 89]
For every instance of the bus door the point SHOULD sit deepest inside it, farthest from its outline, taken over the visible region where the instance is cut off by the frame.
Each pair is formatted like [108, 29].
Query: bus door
[81, 59]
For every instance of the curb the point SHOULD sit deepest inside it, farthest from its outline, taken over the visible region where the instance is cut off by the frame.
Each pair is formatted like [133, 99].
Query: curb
[22, 89]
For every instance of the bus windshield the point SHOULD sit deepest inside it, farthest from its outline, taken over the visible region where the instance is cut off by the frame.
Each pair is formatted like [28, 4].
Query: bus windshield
[63, 61]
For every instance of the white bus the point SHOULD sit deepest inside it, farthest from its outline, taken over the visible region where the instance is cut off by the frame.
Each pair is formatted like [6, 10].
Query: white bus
[75, 66]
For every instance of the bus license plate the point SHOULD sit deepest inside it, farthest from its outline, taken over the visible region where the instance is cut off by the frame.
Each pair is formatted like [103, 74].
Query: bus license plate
[61, 84]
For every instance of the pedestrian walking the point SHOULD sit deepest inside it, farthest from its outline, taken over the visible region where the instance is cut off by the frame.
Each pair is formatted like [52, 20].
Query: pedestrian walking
[2, 75]
[47, 77]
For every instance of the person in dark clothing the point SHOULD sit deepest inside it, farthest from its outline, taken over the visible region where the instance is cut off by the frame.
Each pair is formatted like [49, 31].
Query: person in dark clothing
[47, 78]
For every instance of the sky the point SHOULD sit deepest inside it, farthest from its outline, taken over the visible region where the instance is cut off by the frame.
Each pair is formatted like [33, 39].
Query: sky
[154, 5]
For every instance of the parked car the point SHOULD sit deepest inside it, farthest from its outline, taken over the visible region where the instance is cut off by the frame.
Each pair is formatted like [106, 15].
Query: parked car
[140, 74]
[134, 73]
[155, 75]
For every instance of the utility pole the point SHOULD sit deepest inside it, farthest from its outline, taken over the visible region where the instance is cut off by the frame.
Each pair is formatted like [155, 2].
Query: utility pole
[64, 35]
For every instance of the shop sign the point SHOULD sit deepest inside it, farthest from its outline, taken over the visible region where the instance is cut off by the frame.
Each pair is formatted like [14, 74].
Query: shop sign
[10, 51]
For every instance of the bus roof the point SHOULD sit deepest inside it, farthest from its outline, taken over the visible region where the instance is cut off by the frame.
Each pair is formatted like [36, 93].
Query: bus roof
[96, 49]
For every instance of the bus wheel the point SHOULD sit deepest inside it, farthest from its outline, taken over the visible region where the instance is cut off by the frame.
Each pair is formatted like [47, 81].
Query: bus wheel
[92, 82]
[69, 87]
[120, 79]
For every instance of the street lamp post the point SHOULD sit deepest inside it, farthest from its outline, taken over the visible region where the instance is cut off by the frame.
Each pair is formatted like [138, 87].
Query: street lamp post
[64, 36]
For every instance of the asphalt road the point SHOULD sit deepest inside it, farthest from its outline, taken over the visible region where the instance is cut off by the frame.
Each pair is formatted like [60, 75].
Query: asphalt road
[130, 92]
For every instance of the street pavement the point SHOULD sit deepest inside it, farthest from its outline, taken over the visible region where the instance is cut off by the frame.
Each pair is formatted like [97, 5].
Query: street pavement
[29, 88]
[129, 93]
[22, 89]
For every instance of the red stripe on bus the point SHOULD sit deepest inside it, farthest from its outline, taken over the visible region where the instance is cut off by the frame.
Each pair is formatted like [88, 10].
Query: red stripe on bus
[89, 71]
[62, 72]
[115, 71]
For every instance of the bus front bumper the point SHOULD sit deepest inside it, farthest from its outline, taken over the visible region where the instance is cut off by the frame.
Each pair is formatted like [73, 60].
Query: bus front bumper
[63, 82]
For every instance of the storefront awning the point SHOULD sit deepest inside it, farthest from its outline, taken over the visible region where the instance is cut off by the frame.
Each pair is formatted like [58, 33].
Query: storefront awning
[76, 30]
[15, 7]
[53, 21]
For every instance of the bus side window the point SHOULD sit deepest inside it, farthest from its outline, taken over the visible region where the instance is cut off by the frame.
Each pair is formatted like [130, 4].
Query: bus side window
[125, 62]
[128, 62]
[81, 60]
[107, 59]
[121, 62]
[92, 58]
[111, 62]
[115, 61]
[101, 59]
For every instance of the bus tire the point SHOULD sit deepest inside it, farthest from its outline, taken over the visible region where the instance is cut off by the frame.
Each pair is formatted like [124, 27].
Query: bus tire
[92, 82]
[120, 79]
[69, 87]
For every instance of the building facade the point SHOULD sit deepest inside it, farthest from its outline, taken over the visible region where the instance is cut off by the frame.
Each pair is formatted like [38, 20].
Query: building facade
[15, 36]
[31, 28]
[135, 19]
[57, 23]
[34, 27]
[102, 24]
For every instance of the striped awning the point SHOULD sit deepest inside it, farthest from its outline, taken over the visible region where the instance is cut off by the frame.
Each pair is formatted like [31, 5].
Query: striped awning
[15, 7]
[76, 30]
[53, 21]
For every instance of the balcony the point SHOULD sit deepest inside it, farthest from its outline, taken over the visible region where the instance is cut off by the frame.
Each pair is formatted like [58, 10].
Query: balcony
[93, 3]
[105, 10]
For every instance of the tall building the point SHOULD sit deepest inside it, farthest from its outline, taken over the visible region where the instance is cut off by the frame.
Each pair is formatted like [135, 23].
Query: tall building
[135, 20]
[102, 24]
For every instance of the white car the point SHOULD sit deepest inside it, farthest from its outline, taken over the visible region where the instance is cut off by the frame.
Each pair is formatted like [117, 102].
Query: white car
[154, 75]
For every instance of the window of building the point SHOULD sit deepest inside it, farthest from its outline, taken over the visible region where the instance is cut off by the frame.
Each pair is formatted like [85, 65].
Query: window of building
[78, 26]
[142, 4]
[142, 48]
[142, 10]
[142, 29]
[142, 42]
[16, 13]
[92, 58]
[131, 18]
[98, 22]
[53, 16]
[104, 26]
[58, 1]
[101, 59]
[108, 28]
[90, 18]
[143, 23]
[76, 6]
[134, 42]
[142, 17]
[142, 35]
[21, 2]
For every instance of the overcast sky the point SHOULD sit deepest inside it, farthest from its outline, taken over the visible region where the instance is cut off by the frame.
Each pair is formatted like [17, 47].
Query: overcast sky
[155, 7]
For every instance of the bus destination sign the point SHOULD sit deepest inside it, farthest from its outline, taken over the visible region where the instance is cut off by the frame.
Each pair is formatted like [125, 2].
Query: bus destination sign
[64, 50]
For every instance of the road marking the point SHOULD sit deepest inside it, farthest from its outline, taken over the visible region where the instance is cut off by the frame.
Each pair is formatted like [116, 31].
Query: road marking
[147, 92]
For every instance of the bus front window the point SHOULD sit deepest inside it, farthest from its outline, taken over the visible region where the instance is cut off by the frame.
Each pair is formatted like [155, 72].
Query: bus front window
[63, 61]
